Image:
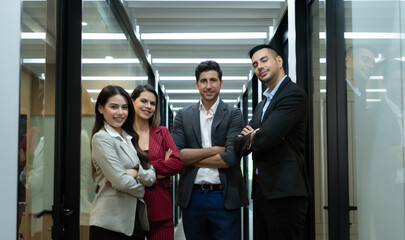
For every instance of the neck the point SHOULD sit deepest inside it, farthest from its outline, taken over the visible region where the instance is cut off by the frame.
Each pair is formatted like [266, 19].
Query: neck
[209, 104]
[272, 84]
[141, 125]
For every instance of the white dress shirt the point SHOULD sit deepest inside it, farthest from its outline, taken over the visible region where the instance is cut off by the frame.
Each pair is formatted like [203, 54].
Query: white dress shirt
[207, 175]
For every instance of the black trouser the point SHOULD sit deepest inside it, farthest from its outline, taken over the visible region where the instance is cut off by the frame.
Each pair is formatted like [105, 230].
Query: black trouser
[281, 218]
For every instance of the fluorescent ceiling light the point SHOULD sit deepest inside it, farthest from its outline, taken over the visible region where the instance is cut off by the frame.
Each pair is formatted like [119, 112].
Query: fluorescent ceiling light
[114, 78]
[368, 35]
[103, 36]
[323, 78]
[194, 36]
[114, 60]
[33, 35]
[281, 1]
[33, 60]
[99, 90]
[196, 91]
[192, 78]
[85, 36]
[89, 60]
[199, 60]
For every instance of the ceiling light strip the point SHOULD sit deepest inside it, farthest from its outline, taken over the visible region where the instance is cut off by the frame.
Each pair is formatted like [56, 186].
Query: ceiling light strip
[203, 36]
[199, 60]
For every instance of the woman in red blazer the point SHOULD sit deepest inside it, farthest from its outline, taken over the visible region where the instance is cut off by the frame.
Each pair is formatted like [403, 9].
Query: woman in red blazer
[165, 158]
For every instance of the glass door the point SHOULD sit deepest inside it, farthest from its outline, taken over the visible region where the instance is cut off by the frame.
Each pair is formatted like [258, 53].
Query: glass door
[319, 102]
[375, 74]
[37, 120]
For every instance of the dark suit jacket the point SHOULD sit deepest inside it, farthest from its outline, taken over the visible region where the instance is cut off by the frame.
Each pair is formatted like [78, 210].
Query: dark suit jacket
[157, 197]
[278, 147]
[226, 125]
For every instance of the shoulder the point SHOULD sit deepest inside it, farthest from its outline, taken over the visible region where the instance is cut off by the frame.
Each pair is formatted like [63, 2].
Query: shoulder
[293, 87]
[101, 134]
[224, 106]
[158, 129]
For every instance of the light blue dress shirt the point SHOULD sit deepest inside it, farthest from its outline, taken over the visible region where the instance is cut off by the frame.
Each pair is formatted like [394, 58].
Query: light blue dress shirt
[269, 95]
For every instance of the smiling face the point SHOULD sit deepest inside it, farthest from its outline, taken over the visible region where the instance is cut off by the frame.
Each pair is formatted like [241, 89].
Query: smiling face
[209, 86]
[145, 105]
[115, 111]
[268, 67]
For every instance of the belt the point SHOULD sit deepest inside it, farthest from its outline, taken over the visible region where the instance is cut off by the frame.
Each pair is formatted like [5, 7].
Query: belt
[210, 187]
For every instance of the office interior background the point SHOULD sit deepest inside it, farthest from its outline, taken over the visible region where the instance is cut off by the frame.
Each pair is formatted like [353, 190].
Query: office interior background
[58, 54]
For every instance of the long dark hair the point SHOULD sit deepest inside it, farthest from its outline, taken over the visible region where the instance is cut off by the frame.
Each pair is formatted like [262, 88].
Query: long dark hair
[155, 120]
[102, 99]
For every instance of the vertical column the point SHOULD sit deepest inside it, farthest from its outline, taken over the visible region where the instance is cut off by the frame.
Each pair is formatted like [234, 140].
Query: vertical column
[9, 98]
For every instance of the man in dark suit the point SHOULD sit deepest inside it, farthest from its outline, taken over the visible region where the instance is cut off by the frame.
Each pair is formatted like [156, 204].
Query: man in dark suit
[211, 190]
[276, 136]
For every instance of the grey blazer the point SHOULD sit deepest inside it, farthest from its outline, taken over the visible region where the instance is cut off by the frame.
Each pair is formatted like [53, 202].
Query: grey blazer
[227, 124]
[115, 204]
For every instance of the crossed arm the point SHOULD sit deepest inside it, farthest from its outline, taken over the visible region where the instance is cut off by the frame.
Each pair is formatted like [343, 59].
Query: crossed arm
[203, 157]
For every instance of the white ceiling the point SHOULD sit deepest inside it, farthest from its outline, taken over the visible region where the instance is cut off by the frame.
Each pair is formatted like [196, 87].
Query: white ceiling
[203, 17]
[152, 17]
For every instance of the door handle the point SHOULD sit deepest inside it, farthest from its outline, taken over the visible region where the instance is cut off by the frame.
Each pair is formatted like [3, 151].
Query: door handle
[67, 213]
[351, 208]
[43, 212]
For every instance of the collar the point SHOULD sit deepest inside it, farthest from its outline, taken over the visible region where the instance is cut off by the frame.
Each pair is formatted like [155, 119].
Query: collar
[213, 109]
[113, 133]
[269, 95]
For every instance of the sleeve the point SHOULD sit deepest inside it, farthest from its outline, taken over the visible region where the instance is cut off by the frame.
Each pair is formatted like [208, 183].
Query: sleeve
[104, 155]
[173, 165]
[230, 156]
[241, 142]
[178, 132]
[289, 110]
[146, 176]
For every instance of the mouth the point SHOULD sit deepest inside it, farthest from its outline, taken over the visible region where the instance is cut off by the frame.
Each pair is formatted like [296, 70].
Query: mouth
[119, 119]
[263, 73]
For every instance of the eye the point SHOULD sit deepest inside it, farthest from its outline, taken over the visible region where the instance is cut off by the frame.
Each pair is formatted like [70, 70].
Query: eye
[144, 101]
[125, 107]
[153, 103]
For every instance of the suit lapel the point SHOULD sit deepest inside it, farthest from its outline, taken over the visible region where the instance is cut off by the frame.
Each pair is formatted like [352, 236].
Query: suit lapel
[195, 117]
[218, 117]
[256, 123]
[155, 139]
[128, 151]
[274, 100]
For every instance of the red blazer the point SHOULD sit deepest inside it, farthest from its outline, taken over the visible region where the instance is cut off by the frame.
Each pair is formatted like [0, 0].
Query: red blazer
[157, 197]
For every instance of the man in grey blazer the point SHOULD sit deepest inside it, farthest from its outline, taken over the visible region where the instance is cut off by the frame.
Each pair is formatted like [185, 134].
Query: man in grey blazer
[211, 190]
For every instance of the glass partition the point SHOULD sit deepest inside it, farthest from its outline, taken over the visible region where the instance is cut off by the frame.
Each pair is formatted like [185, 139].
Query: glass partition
[108, 59]
[37, 119]
[375, 74]
[320, 190]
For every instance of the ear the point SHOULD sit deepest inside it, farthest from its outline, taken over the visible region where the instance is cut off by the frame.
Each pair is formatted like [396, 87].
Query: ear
[279, 61]
[222, 83]
[196, 84]
[100, 109]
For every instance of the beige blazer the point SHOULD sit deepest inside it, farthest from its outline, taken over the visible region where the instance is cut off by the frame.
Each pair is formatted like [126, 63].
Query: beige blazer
[115, 204]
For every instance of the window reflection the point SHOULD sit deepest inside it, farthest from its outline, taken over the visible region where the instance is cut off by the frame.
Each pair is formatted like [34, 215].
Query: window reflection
[374, 36]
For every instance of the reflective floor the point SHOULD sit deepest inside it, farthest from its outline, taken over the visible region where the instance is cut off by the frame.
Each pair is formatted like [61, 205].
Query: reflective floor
[178, 232]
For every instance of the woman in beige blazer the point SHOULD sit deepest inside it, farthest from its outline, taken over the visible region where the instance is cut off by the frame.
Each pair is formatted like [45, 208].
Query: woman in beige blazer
[121, 169]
